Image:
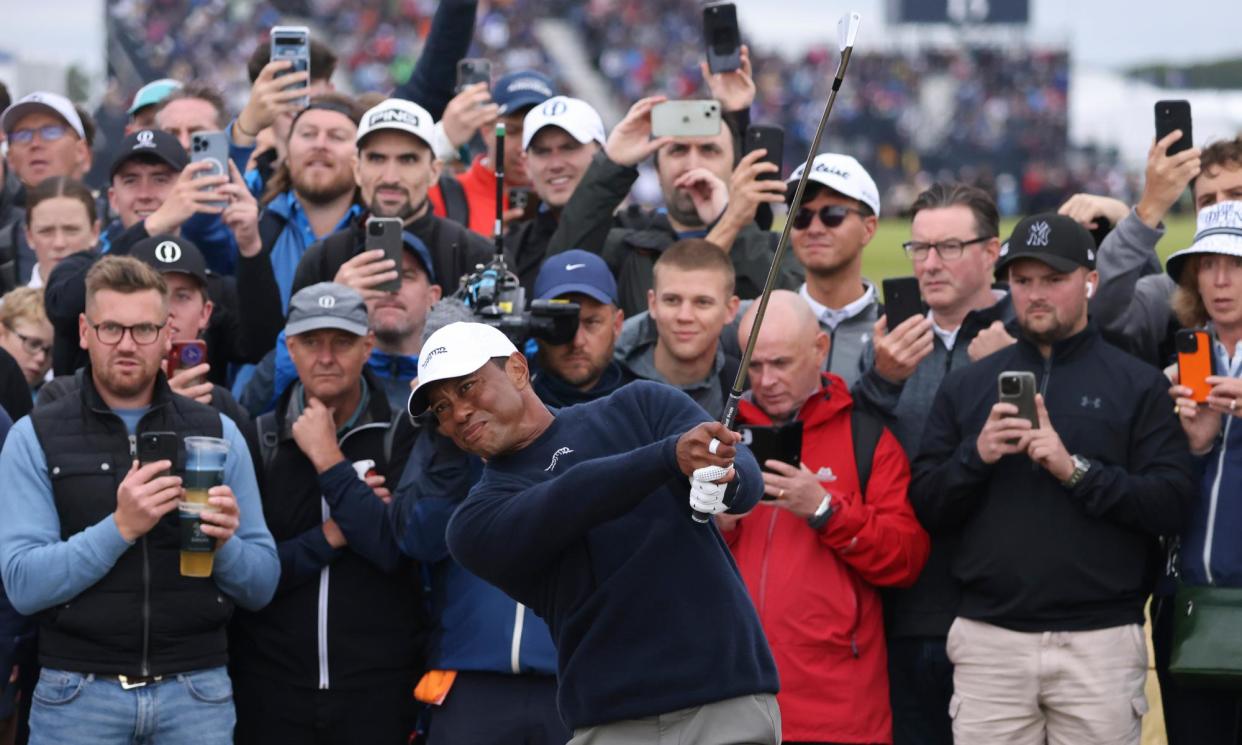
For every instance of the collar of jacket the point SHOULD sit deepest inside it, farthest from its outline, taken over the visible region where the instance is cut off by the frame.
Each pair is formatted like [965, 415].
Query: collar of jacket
[377, 407]
[388, 365]
[1068, 348]
[829, 401]
[612, 378]
[160, 395]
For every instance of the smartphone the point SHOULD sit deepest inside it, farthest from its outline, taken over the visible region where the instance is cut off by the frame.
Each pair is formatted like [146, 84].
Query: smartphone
[686, 119]
[157, 446]
[212, 147]
[724, 41]
[1018, 388]
[293, 43]
[525, 200]
[1195, 361]
[1171, 115]
[901, 300]
[473, 70]
[774, 443]
[186, 354]
[772, 139]
[384, 233]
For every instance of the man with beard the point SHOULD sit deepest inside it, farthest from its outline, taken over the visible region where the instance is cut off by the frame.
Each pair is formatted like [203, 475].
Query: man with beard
[395, 168]
[312, 194]
[709, 192]
[1058, 513]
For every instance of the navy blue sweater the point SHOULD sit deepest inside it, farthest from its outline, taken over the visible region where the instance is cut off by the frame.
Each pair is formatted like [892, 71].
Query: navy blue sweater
[590, 527]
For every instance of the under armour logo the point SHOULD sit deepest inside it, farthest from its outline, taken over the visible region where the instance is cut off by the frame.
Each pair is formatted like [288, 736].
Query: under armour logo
[1039, 234]
[825, 474]
[1091, 403]
[168, 252]
[327, 301]
[555, 107]
[557, 455]
[572, 267]
[146, 138]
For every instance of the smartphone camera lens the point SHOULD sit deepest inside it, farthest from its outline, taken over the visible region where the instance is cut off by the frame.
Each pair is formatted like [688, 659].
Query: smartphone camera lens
[376, 229]
[1010, 386]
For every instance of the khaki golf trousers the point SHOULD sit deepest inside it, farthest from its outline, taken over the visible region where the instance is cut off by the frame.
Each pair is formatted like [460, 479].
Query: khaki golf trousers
[745, 720]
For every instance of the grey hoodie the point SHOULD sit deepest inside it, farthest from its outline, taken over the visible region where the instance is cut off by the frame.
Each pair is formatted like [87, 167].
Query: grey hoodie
[1133, 299]
[635, 351]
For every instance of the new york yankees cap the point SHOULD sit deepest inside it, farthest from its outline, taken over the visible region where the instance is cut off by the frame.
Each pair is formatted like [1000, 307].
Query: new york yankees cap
[327, 305]
[401, 115]
[1056, 240]
[170, 253]
[844, 175]
[151, 145]
[575, 116]
[457, 349]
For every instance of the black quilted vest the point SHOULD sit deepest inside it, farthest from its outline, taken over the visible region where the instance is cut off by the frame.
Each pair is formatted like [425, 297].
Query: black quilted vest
[142, 617]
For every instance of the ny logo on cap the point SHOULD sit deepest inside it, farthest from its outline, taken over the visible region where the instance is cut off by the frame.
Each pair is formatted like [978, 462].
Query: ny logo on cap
[327, 301]
[554, 108]
[393, 115]
[146, 138]
[1039, 234]
[168, 252]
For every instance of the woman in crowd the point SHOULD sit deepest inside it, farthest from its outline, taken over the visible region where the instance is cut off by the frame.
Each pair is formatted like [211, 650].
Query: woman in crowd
[60, 220]
[1209, 295]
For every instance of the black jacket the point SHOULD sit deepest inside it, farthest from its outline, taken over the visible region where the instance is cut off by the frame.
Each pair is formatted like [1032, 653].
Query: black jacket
[232, 336]
[143, 617]
[1032, 554]
[454, 251]
[14, 390]
[558, 393]
[342, 618]
[16, 257]
[526, 246]
[632, 240]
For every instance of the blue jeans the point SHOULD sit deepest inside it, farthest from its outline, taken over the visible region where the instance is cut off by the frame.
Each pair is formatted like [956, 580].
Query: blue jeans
[194, 707]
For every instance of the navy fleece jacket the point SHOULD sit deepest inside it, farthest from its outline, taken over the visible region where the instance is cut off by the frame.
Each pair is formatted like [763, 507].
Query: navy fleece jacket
[590, 527]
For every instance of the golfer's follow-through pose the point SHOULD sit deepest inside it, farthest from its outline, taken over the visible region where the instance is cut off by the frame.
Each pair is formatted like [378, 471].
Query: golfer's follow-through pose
[584, 516]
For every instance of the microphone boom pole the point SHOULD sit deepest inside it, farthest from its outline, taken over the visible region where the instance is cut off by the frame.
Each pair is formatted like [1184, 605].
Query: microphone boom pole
[847, 30]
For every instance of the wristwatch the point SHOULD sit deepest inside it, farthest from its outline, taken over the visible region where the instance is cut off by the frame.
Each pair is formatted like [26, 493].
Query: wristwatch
[820, 518]
[1081, 466]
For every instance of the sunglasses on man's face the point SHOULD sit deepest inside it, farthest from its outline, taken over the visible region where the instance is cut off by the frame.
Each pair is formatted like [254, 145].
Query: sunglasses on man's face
[831, 216]
[47, 133]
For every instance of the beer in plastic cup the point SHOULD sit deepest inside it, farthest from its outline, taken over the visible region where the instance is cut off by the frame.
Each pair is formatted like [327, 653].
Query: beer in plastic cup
[204, 468]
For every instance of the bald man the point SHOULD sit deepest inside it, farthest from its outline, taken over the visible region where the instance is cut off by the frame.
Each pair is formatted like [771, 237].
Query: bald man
[831, 529]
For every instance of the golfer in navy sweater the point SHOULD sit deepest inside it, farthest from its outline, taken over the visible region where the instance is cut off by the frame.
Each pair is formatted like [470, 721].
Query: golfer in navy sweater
[583, 515]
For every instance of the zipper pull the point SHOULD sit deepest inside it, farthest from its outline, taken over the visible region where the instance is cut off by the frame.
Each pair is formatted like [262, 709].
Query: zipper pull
[133, 447]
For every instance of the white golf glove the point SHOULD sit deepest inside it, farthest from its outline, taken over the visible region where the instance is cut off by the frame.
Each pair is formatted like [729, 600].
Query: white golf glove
[705, 495]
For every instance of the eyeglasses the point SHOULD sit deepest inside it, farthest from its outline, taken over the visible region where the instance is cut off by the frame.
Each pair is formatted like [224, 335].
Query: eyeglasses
[31, 345]
[142, 333]
[949, 250]
[831, 216]
[47, 133]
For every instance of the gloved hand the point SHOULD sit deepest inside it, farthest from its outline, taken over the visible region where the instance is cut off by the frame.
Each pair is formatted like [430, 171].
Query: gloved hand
[706, 495]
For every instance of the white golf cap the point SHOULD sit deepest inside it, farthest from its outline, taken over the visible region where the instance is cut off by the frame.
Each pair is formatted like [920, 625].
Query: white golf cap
[844, 175]
[457, 349]
[52, 103]
[575, 116]
[401, 115]
[1219, 231]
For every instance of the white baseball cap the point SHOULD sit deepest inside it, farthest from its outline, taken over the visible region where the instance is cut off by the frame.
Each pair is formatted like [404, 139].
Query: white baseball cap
[53, 103]
[1218, 231]
[401, 115]
[844, 175]
[457, 349]
[575, 116]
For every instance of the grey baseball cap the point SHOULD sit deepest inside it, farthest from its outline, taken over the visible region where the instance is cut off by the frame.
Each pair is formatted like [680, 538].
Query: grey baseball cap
[326, 305]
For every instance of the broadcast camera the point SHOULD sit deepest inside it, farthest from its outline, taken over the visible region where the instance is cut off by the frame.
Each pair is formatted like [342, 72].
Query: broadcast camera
[498, 299]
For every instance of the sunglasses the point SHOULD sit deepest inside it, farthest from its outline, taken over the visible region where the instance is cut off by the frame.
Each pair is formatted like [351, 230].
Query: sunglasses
[831, 216]
[47, 133]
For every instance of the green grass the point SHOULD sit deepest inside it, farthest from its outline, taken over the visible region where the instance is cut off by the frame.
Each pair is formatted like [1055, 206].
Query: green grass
[883, 257]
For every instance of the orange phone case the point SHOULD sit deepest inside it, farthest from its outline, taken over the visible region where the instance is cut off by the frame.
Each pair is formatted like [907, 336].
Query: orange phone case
[1193, 368]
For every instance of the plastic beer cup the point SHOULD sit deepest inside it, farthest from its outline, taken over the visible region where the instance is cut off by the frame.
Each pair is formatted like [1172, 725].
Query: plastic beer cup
[204, 468]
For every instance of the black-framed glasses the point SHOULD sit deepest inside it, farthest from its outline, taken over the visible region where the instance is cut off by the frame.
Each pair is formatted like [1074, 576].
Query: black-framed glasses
[47, 133]
[831, 216]
[949, 249]
[30, 345]
[111, 333]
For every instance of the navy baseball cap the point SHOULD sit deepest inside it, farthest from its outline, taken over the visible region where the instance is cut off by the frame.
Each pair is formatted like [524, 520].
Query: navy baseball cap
[152, 145]
[521, 89]
[576, 271]
[421, 253]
